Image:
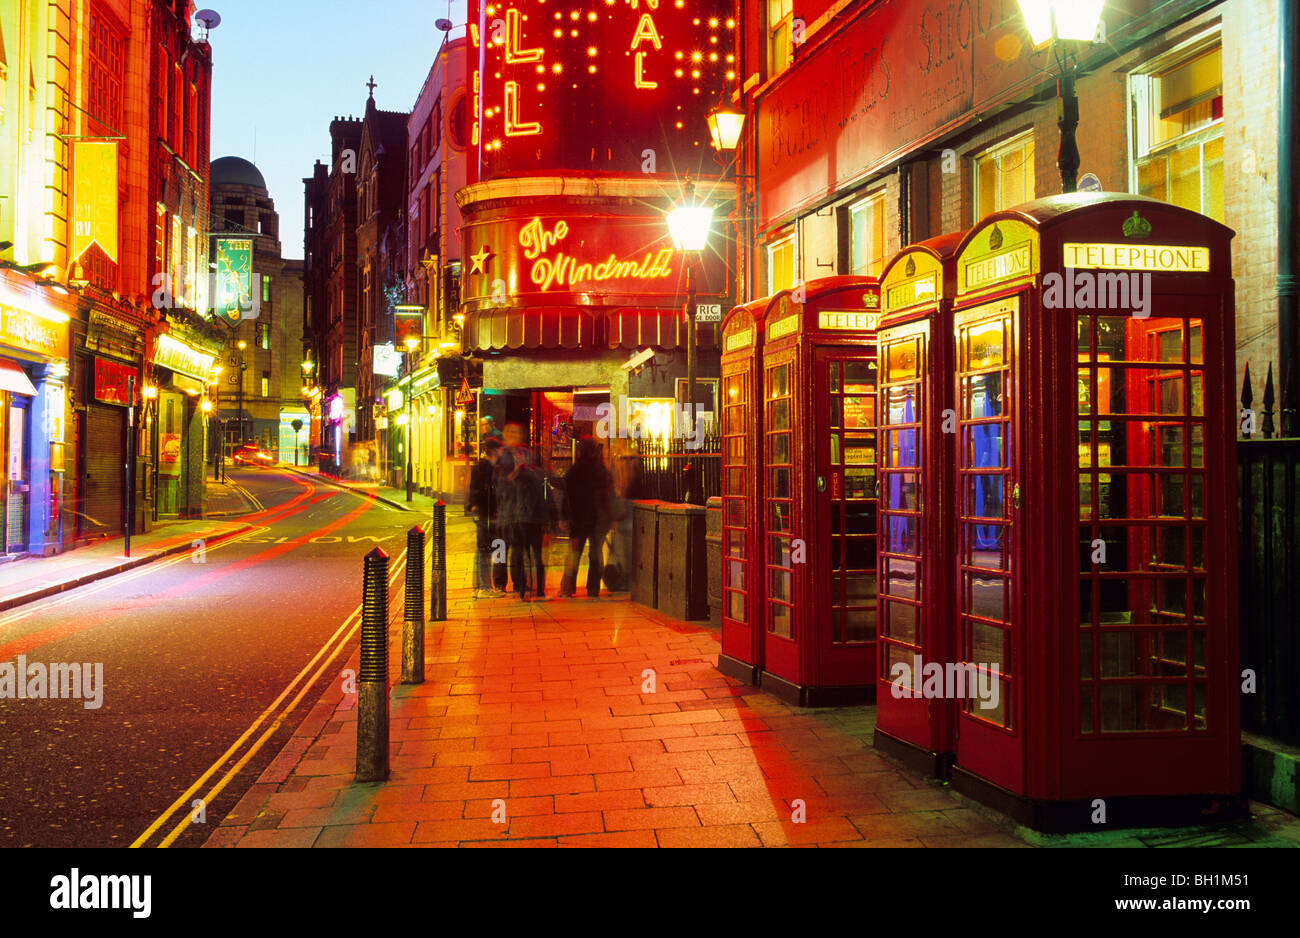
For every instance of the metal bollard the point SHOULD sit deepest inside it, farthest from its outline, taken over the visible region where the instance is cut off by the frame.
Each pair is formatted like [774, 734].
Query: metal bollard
[413, 624]
[438, 576]
[372, 687]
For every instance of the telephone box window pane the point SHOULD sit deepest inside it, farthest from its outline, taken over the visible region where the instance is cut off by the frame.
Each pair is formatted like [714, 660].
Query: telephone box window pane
[900, 577]
[1122, 653]
[985, 346]
[985, 446]
[984, 496]
[1084, 391]
[1169, 346]
[997, 708]
[986, 596]
[859, 518]
[1171, 496]
[859, 412]
[1085, 603]
[778, 586]
[986, 645]
[860, 588]
[833, 376]
[1086, 724]
[907, 676]
[778, 381]
[1171, 658]
[860, 449]
[736, 481]
[735, 512]
[860, 625]
[859, 377]
[778, 551]
[736, 544]
[1085, 656]
[1195, 337]
[1137, 708]
[1198, 598]
[779, 479]
[736, 602]
[779, 515]
[779, 414]
[986, 546]
[900, 448]
[1171, 396]
[781, 624]
[736, 451]
[1198, 546]
[859, 482]
[901, 491]
[1198, 705]
[1173, 597]
[779, 448]
[1171, 448]
[736, 577]
[902, 536]
[901, 404]
[860, 553]
[836, 412]
[902, 360]
[835, 450]
[1198, 399]
[982, 396]
[902, 622]
[1197, 496]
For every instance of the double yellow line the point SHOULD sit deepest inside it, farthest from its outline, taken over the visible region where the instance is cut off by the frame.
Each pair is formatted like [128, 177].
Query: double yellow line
[276, 716]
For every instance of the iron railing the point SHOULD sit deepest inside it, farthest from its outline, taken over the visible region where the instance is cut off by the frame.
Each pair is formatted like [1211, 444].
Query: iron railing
[672, 471]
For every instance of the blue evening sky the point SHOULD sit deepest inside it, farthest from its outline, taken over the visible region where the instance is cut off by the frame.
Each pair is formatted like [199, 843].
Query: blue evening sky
[282, 70]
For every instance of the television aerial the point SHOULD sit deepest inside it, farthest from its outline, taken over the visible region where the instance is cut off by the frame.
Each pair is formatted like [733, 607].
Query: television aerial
[208, 20]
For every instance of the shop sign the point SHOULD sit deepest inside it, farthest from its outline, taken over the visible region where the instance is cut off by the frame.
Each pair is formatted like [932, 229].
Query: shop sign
[234, 279]
[169, 448]
[26, 330]
[1161, 258]
[112, 382]
[94, 197]
[708, 312]
[176, 355]
[846, 320]
[387, 360]
[109, 335]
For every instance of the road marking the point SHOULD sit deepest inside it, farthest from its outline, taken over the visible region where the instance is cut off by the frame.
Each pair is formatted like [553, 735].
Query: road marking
[183, 801]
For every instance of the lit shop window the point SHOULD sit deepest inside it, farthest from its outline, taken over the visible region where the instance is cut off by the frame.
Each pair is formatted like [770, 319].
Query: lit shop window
[867, 235]
[266, 384]
[1178, 130]
[780, 265]
[780, 44]
[1004, 175]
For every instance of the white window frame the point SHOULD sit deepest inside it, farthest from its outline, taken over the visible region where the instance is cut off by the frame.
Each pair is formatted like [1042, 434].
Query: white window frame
[787, 241]
[874, 198]
[993, 152]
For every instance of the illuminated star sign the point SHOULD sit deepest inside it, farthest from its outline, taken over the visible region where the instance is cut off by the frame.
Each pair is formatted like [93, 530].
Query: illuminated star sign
[479, 261]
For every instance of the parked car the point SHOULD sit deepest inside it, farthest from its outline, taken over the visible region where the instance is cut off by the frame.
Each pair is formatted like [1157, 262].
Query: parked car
[251, 454]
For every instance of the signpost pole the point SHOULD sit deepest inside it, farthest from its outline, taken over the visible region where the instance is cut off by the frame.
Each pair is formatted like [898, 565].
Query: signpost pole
[130, 460]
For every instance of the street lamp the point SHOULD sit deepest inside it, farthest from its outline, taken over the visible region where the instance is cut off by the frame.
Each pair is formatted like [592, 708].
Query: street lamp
[689, 224]
[724, 127]
[411, 343]
[1063, 24]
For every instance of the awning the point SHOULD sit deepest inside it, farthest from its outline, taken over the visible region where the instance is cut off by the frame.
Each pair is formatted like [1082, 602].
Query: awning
[572, 327]
[14, 380]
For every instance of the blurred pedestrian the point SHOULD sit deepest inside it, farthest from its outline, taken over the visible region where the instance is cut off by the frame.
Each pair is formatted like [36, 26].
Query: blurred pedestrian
[531, 515]
[481, 502]
[590, 490]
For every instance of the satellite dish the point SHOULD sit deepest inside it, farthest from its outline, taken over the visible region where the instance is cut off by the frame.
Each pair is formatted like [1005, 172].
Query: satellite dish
[443, 24]
[208, 19]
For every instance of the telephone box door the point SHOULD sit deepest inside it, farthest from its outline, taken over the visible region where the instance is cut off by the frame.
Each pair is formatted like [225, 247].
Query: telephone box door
[844, 497]
[783, 534]
[741, 580]
[987, 584]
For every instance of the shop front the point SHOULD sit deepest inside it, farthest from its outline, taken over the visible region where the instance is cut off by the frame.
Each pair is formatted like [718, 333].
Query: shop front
[575, 303]
[175, 424]
[34, 343]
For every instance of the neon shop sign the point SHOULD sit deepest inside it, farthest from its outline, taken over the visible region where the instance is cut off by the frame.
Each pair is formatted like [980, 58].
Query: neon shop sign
[564, 270]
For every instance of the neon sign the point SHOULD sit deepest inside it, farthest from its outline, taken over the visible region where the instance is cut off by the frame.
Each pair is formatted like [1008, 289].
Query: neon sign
[566, 270]
[598, 85]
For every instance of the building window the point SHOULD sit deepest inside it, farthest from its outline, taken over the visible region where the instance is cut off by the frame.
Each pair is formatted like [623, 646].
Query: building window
[867, 235]
[107, 42]
[1178, 129]
[780, 265]
[264, 335]
[266, 384]
[780, 41]
[266, 288]
[1004, 175]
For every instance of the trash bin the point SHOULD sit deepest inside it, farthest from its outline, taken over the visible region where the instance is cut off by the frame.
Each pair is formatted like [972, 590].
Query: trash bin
[683, 581]
[645, 552]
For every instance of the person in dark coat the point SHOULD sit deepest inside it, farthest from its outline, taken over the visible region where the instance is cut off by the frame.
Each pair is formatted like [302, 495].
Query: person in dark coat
[590, 489]
[530, 511]
[481, 502]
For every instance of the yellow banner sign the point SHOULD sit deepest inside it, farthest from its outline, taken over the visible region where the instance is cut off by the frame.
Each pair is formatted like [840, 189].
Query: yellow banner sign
[25, 330]
[94, 197]
[1157, 257]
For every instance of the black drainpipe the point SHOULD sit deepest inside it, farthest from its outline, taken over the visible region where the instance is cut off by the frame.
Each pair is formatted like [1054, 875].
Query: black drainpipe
[1286, 217]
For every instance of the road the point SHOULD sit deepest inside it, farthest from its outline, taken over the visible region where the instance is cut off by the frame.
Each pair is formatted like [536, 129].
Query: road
[194, 650]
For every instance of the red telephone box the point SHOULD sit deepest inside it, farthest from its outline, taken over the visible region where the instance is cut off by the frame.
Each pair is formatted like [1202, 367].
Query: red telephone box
[917, 452]
[1095, 571]
[818, 494]
[742, 479]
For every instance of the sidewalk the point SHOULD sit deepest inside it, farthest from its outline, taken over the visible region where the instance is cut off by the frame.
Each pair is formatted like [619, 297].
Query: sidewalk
[31, 578]
[538, 726]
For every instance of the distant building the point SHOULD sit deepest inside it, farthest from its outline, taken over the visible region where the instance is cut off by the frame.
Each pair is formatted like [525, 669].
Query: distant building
[330, 290]
[261, 383]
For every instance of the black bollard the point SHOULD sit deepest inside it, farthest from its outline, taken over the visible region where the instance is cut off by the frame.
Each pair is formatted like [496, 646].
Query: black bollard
[438, 575]
[413, 624]
[372, 687]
